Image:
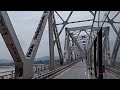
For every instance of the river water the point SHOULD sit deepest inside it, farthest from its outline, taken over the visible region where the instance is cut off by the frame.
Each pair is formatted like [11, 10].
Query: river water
[5, 70]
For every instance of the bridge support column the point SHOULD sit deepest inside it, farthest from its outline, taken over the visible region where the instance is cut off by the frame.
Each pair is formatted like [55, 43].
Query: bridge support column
[99, 53]
[28, 69]
[95, 70]
[51, 41]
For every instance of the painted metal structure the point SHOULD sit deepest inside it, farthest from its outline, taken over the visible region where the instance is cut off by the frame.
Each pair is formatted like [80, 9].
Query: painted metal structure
[93, 46]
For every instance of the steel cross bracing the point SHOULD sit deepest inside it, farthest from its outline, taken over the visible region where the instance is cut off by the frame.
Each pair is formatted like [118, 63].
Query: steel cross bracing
[11, 41]
[57, 40]
[23, 64]
[74, 48]
[75, 41]
[68, 49]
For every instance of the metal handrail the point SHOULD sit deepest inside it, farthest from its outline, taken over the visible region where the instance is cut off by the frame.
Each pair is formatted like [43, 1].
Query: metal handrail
[113, 70]
[45, 75]
[43, 68]
[40, 68]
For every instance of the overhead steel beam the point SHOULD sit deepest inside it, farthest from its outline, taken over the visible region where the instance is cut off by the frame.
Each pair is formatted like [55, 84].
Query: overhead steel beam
[84, 27]
[111, 23]
[103, 19]
[90, 40]
[65, 23]
[75, 22]
[100, 26]
[59, 16]
[92, 13]
[80, 28]
[115, 15]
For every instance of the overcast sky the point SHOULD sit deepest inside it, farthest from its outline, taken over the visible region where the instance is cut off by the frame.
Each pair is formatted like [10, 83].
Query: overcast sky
[25, 24]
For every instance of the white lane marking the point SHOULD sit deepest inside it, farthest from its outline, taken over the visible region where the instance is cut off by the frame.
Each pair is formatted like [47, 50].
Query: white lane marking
[85, 73]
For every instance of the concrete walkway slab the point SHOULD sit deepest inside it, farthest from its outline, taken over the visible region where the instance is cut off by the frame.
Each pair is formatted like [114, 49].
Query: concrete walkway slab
[78, 71]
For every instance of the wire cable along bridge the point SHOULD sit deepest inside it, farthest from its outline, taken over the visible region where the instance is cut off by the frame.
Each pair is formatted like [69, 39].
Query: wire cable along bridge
[90, 50]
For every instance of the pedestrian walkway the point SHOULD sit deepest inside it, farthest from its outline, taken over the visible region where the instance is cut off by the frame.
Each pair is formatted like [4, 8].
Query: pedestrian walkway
[78, 71]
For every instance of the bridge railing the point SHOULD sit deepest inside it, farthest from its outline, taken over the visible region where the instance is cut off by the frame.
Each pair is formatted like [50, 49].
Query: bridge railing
[7, 74]
[57, 70]
[38, 69]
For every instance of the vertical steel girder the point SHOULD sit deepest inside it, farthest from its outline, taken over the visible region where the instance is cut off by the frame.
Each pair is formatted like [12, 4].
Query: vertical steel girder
[95, 65]
[103, 50]
[92, 13]
[73, 50]
[51, 40]
[65, 48]
[68, 48]
[57, 40]
[99, 53]
[107, 45]
[90, 58]
[115, 49]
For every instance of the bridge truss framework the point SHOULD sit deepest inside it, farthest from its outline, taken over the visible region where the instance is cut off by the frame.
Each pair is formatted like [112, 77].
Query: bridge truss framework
[94, 46]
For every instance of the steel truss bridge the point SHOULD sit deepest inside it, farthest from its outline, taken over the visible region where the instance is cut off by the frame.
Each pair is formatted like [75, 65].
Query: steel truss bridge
[88, 43]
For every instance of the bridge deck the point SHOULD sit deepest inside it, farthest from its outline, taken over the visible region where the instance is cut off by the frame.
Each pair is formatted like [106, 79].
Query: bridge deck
[78, 71]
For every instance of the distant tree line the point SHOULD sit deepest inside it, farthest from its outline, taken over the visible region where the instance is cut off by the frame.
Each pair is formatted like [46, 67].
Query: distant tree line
[7, 64]
[35, 62]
